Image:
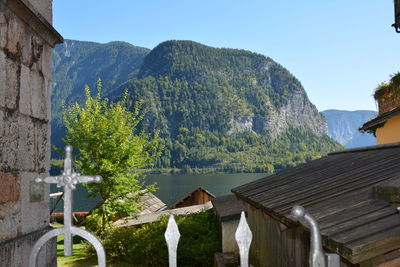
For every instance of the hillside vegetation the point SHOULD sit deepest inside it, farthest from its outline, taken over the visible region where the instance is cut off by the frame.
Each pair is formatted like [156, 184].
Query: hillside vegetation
[226, 109]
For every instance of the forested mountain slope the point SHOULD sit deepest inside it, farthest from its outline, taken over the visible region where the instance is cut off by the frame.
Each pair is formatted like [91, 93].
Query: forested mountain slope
[79, 63]
[222, 108]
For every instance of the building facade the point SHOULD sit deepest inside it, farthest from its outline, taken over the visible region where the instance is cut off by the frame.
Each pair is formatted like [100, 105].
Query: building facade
[26, 42]
[386, 126]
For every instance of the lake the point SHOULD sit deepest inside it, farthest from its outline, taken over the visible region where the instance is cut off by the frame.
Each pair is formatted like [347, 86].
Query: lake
[173, 187]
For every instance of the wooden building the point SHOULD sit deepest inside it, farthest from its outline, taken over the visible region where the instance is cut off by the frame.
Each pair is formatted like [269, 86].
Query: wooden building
[349, 193]
[197, 197]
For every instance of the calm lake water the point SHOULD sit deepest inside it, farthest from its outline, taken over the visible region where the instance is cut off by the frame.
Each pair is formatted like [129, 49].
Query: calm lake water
[174, 187]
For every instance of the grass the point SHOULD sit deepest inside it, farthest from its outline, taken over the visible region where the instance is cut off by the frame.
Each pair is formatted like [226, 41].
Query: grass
[79, 257]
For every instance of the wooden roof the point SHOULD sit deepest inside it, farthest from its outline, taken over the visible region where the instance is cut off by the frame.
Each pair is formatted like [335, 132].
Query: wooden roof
[380, 120]
[337, 191]
[192, 195]
[151, 217]
[150, 204]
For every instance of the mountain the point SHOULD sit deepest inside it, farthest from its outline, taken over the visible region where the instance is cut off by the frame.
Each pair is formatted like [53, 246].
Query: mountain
[78, 63]
[214, 108]
[343, 127]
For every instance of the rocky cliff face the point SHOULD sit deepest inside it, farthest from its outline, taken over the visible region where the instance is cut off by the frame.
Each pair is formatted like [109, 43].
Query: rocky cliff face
[298, 113]
[252, 92]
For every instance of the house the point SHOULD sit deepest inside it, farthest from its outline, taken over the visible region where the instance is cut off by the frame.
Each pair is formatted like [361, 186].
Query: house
[352, 194]
[153, 208]
[26, 41]
[197, 197]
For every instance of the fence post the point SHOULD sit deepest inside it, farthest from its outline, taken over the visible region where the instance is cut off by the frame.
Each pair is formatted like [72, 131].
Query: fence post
[172, 236]
[243, 238]
[317, 256]
[68, 179]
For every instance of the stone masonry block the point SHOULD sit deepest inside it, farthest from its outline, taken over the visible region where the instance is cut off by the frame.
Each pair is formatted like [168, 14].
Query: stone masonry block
[34, 215]
[47, 93]
[2, 124]
[9, 141]
[46, 63]
[9, 72]
[9, 84]
[43, 147]
[16, 253]
[15, 36]
[3, 29]
[26, 144]
[10, 205]
[26, 48]
[36, 53]
[9, 188]
[12, 84]
[3, 78]
[10, 220]
[38, 97]
[25, 92]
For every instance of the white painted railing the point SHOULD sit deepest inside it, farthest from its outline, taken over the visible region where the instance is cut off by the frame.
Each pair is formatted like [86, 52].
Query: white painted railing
[243, 238]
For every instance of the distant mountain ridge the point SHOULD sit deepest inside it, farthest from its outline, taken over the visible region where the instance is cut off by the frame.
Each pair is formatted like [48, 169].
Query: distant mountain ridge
[343, 127]
[215, 108]
[79, 63]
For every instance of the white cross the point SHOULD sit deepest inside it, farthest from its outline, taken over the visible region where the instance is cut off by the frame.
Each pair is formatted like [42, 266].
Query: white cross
[68, 179]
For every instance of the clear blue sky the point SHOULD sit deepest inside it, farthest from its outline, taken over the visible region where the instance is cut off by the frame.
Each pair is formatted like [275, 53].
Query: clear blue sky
[340, 50]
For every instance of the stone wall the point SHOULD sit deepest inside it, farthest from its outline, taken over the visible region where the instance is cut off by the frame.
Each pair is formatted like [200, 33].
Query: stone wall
[26, 41]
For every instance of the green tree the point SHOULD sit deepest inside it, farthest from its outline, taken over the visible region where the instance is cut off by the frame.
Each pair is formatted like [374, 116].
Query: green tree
[104, 134]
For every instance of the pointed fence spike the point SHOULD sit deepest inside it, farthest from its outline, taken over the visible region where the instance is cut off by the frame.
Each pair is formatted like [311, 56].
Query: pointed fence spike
[172, 236]
[243, 238]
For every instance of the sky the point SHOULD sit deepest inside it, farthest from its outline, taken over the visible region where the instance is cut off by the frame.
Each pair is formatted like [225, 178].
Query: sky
[339, 50]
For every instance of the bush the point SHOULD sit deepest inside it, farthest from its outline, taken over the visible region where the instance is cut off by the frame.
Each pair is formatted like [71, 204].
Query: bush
[146, 246]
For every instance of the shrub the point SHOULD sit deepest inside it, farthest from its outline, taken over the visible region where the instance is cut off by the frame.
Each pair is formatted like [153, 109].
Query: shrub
[146, 246]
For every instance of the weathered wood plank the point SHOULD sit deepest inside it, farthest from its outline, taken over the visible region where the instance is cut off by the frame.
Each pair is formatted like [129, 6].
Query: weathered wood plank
[304, 188]
[366, 230]
[376, 244]
[352, 223]
[322, 167]
[343, 215]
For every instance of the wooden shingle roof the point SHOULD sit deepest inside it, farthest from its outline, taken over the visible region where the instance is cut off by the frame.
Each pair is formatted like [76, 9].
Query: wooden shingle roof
[337, 191]
[150, 203]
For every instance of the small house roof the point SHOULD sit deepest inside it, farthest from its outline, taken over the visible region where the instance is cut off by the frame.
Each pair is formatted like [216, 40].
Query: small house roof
[150, 204]
[337, 190]
[152, 217]
[380, 120]
[191, 194]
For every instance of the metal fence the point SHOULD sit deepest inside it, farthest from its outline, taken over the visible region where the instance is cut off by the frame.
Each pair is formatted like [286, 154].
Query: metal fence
[69, 178]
